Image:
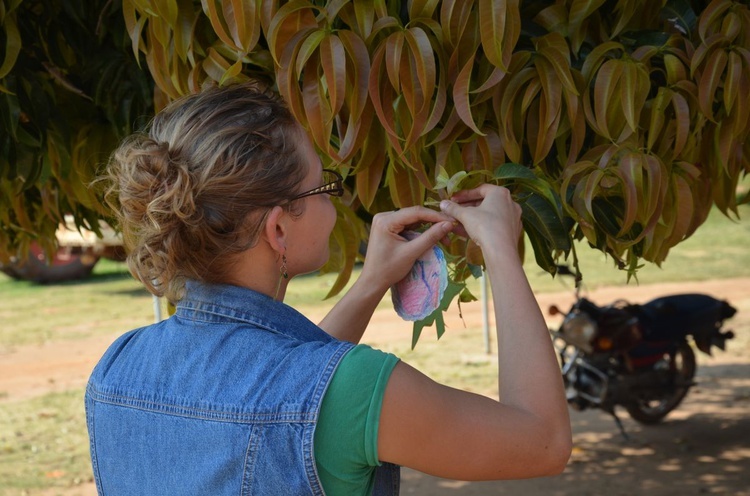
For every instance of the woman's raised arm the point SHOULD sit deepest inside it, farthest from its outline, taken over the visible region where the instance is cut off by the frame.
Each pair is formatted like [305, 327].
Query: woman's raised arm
[456, 434]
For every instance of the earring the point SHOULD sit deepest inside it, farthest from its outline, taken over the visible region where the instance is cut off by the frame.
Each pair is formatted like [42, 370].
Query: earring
[283, 271]
[283, 274]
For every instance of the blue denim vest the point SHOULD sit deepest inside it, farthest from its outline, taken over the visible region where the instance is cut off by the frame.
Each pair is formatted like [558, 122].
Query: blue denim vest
[222, 398]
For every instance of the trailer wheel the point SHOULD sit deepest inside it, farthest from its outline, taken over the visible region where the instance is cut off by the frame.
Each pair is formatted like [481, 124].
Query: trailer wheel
[66, 266]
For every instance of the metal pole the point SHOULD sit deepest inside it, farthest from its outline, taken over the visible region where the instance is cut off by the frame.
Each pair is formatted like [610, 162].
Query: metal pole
[485, 312]
[157, 309]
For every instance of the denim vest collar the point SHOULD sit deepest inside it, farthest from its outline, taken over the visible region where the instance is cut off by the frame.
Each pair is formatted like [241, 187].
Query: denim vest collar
[225, 303]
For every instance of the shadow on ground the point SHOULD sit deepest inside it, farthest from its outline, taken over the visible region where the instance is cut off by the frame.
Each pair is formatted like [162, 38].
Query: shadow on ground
[703, 447]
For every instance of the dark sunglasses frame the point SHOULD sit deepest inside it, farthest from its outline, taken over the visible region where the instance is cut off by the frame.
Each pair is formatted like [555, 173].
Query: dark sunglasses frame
[333, 188]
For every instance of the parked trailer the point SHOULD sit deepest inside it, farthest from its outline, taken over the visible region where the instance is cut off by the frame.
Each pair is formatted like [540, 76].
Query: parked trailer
[78, 252]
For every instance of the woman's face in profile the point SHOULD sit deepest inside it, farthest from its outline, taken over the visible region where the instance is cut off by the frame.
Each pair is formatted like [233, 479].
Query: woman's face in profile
[308, 246]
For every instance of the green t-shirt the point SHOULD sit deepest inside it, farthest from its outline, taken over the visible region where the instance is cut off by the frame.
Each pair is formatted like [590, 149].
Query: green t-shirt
[346, 437]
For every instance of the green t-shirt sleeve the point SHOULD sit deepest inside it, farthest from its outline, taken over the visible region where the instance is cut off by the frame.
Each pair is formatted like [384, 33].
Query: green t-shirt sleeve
[346, 436]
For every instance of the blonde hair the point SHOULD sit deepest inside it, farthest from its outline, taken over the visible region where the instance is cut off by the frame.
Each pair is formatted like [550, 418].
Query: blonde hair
[195, 188]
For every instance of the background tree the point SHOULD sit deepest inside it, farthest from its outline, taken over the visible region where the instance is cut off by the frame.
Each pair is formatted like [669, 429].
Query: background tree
[70, 88]
[617, 121]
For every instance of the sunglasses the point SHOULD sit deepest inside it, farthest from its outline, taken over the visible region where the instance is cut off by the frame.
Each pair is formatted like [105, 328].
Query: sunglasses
[333, 184]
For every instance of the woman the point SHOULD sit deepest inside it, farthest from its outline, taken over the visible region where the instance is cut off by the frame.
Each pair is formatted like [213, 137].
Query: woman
[222, 203]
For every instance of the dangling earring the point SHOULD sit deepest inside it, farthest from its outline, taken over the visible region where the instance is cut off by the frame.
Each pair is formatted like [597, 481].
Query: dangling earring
[283, 274]
[282, 270]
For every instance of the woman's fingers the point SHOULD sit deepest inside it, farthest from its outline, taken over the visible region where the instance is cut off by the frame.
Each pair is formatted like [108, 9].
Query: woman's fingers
[487, 213]
[473, 195]
[430, 237]
[400, 219]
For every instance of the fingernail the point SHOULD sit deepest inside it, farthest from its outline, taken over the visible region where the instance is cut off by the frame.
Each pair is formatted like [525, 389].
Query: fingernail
[444, 204]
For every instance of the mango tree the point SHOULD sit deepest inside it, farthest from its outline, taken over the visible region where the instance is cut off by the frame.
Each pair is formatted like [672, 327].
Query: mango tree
[620, 122]
[70, 89]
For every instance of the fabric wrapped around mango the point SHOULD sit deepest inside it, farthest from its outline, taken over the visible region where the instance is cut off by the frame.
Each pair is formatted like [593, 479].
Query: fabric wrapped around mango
[419, 293]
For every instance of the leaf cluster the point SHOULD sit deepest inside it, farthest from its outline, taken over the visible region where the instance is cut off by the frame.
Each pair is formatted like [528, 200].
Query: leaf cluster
[628, 109]
[618, 121]
[69, 90]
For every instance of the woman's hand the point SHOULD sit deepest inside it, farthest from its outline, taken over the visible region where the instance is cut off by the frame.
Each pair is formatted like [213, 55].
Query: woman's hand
[390, 256]
[389, 259]
[488, 215]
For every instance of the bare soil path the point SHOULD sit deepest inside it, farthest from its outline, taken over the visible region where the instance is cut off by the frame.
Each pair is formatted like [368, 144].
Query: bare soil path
[702, 448]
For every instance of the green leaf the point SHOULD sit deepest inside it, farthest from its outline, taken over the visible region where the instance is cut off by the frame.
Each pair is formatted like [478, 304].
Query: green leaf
[607, 212]
[476, 272]
[538, 213]
[680, 14]
[12, 44]
[454, 182]
[345, 237]
[436, 317]
[417, 330]
[511, 171]
[527, 180]
[542, 251]
[441, 178]
[10, 114]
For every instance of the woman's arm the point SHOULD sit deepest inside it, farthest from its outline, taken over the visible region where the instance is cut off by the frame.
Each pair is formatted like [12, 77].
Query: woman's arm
[456, 434]
[389, 259]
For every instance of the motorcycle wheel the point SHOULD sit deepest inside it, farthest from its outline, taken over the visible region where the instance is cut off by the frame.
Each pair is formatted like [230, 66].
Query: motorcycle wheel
[652, 411]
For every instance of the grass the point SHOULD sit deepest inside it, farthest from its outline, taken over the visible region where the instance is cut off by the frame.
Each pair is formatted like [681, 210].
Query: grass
[43, 442]
[112, 300]
[717, 250]
[108, 301]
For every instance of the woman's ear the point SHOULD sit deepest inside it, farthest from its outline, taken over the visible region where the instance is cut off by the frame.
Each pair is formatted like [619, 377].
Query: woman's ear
[274, 230]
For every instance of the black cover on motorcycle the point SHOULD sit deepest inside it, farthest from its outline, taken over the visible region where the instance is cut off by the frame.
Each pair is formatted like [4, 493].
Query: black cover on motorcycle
[671, 318]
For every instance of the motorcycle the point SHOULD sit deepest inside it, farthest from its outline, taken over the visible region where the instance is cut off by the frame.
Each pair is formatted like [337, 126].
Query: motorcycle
[636, 355]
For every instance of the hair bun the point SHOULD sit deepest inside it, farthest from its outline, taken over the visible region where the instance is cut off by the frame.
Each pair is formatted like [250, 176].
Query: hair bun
[173, 185]
[191, 192]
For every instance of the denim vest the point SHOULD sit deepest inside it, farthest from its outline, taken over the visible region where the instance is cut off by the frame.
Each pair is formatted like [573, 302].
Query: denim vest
[222, 398]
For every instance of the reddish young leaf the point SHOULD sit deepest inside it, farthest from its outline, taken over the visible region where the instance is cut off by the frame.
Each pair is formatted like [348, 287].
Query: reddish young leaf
[288, 81]
[405, 188]
[711, 17]
[710, 80]
[286, 24]
[461, 90]
[369, 169]
[333, 61]
[605, 89]
[382, 96]
[218, 22]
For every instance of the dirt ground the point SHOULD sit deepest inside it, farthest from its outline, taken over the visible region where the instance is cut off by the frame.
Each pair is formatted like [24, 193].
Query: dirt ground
[702, 448]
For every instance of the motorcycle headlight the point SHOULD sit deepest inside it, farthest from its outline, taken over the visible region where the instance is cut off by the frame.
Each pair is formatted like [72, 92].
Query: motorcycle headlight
[579, 329]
